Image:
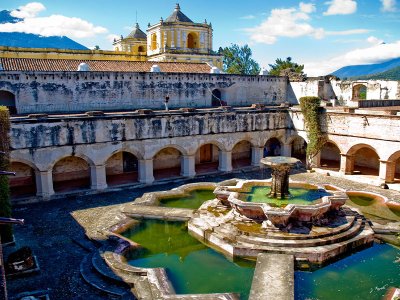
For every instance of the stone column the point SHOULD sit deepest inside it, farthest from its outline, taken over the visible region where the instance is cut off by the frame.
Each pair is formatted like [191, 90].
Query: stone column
[178, 39]
[188, 166]
[346, 164]
[225, 161]
[172, 38]
[316, 160]
[44, 183]
[286, 150]
[98, 177]
[387, 171]
[256, 155]
[146, 171]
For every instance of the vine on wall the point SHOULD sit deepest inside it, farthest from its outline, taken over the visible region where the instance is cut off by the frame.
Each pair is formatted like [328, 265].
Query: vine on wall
[5, 204]
[310, 107]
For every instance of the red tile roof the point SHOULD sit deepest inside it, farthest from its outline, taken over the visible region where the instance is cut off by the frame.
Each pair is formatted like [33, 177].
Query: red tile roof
[34, 64]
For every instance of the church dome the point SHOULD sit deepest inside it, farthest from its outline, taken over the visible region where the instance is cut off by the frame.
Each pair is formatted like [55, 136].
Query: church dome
[178, 16]
[137, 33]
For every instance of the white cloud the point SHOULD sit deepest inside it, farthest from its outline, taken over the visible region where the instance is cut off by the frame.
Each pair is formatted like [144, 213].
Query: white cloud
[341, 7]
[292, 22]
[54, 25]
[30, 10]
[374, 40]
[307, 8]
[248, 17]
[370, 55]
[388, 5]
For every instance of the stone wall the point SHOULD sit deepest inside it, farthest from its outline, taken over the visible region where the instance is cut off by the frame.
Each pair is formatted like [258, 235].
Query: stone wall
[39, 92]
[342, 91]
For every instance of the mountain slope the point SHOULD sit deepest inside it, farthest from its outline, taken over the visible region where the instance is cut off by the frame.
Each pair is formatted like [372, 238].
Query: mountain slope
[392, 74]
[28, 40]
[361, 70]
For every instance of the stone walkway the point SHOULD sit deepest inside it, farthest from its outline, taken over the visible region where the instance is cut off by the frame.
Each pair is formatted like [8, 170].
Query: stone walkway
[55, 229]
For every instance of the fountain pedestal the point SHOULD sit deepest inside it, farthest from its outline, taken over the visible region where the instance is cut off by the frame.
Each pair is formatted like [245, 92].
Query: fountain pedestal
[280, 166]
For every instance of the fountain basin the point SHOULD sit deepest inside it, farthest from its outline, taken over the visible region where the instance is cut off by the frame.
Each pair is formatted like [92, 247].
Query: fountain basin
[277, 216]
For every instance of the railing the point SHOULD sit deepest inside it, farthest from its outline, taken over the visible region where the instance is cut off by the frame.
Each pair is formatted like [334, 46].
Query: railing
[378, 103]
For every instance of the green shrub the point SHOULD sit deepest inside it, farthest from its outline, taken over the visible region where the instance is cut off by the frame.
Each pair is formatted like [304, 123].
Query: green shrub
[310, 107]
[5, 204]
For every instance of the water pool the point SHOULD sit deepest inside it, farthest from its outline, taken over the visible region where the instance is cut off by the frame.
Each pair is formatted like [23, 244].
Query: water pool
[194, 200]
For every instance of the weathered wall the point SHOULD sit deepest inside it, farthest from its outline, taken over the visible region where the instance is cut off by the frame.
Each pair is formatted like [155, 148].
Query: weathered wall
[167, 158]
[38, 92]
[343, 90]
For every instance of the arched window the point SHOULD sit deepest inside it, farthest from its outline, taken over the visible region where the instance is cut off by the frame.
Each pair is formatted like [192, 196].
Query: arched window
[359, 92]
[153, 41]
[140, 49]
[192, 41]
[8, 99]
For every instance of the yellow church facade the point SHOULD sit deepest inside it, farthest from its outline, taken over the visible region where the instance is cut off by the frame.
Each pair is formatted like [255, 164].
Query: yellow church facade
[175, 39]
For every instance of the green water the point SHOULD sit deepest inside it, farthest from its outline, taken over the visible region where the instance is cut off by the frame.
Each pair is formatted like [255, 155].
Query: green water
[373, 208]
[194, 200]
[191, 266]
[297, 196]
[365, 275]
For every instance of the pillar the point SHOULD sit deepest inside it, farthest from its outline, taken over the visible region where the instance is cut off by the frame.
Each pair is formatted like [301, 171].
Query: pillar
[225, 161]
[256, 155]
[98, 177]
[346, 164]
[146, 171]
[188, 168]
[387, 170]
[44, 183]
[287, 150]
[316, 160]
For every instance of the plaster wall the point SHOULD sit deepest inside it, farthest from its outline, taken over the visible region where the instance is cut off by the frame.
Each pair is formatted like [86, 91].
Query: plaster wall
[46, 92]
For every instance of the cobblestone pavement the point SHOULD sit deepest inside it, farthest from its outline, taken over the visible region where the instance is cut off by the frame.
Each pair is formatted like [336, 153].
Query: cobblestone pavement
[50, 230]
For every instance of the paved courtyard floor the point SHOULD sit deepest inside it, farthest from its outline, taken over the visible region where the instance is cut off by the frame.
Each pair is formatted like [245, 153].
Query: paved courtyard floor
[52, 228]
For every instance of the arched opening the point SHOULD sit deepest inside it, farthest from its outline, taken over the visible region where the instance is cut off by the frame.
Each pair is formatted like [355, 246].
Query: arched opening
[299, 147]
[359, 92]
[192, 40]
[71, 173]
[366, 161]
[207, 159]
[241, 155]
[23, 184]
[216, 98]
[330, 156]
[153, 45]
[122, 168]
[8, 99]
[272, 147]
[167, 163]
[397, 170]
[140, 49]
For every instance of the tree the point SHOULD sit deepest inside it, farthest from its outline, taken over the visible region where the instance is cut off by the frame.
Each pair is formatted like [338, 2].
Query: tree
[237, 60]
[5, 204]
[283, 67]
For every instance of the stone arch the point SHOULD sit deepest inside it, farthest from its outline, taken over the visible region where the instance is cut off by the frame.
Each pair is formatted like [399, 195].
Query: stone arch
[122, 167]
[330, 156]
[298, 148]
[8, 99]
[141, 49]
[359, 92]
[23, 184]
[273, 147]
[216, 98]
[192, 41]
[153, 41]
[393, 168]
[71, 173]
[364, 160]
[207, 158]
[241, 154]
[167, 163]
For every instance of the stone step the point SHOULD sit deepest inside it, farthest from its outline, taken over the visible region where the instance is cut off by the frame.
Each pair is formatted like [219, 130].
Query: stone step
[354, 230]
[84, 243]
[101, 284]
[103, 269]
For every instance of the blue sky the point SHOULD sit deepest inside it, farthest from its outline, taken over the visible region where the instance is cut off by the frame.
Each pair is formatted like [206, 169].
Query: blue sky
[323, 35]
